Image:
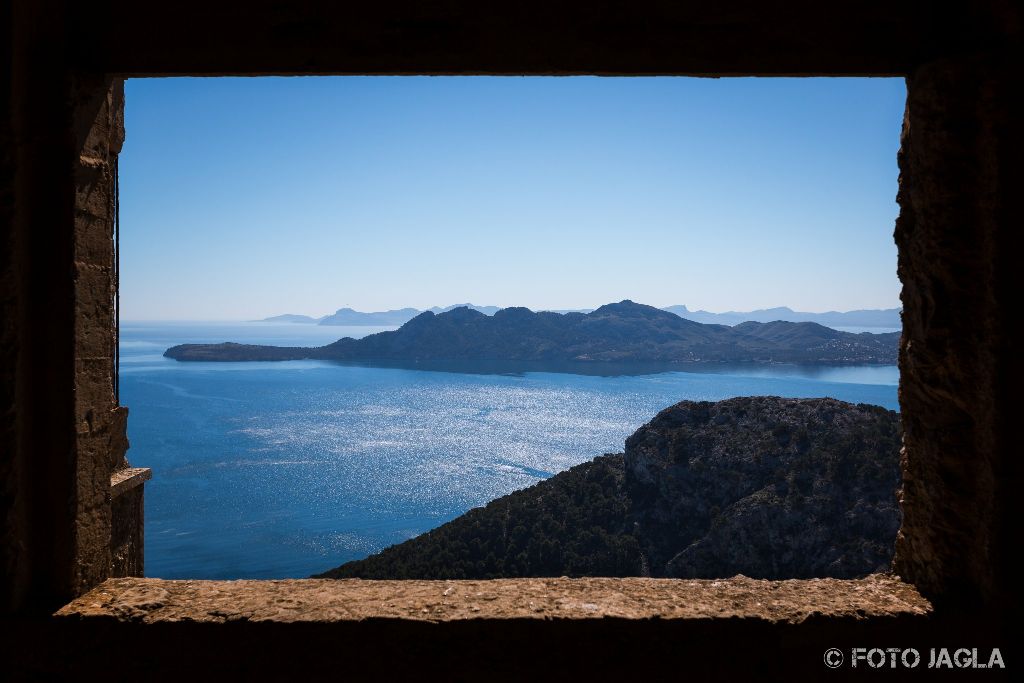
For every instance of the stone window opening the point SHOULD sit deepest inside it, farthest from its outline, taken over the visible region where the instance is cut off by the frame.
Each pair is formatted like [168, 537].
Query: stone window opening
[125, 478]
[959, 158]
[328, 562]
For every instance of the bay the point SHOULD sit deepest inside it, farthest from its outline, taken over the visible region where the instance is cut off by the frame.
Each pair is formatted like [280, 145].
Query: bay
[278, 470]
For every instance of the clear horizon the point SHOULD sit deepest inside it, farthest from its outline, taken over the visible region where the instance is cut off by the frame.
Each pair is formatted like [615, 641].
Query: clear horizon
[474, 303]
[243, 199]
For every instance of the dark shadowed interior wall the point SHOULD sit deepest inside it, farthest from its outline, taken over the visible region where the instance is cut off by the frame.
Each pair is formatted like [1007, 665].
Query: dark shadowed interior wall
[62, 433]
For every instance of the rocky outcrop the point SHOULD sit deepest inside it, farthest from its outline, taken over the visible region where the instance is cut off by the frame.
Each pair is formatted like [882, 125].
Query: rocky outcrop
[767, 487]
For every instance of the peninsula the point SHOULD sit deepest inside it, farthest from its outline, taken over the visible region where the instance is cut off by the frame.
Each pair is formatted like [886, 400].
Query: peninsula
[619, 332]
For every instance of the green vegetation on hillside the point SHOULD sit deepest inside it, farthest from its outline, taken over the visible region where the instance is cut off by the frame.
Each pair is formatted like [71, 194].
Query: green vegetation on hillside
[763, 486]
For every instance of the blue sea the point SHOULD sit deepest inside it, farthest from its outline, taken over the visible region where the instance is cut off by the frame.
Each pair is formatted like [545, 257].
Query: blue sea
[275, 470]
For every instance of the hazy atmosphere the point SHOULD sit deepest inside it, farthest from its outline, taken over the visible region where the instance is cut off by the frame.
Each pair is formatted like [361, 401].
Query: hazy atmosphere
[245, 198]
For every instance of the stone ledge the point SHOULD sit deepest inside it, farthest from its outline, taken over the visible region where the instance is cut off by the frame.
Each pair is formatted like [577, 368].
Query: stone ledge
[128, 478]
[354, 600]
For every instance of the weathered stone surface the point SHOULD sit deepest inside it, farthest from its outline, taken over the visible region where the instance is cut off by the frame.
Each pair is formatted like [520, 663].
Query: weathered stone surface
[960, 370]
[127, 517]
[127, 479]
[117, 439]
[96, 101]
[329, 600]
[505, 630]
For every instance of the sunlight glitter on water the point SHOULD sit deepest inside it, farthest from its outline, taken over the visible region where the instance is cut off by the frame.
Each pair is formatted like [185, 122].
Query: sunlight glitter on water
[285, 469]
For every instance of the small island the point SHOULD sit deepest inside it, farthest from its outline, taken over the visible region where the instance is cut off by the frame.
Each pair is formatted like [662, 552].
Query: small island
[618, 332]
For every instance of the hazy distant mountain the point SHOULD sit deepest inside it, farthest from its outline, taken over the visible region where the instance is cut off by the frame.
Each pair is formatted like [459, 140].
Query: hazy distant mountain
[399, 316]
[290, 318]
[486, 310]
[348, 316]
[887, 317]
[623, 332]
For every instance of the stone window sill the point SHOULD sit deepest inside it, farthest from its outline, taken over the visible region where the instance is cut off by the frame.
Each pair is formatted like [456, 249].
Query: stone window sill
[352, 600]
[126, 479]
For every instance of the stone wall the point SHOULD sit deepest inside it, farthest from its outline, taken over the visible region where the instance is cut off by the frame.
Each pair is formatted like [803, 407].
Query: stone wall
[37, 314]
[127, 516]
[100, 441]
[61, 435]
[959, 209]
[10, 530]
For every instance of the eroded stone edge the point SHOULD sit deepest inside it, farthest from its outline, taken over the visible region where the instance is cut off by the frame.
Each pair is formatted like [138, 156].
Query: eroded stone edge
[326, 600]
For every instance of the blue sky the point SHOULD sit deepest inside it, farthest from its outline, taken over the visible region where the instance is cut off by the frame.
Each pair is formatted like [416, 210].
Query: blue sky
[243, 198]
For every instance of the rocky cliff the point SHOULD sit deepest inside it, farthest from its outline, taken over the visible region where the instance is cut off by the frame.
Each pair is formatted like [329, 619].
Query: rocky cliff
[762, 486]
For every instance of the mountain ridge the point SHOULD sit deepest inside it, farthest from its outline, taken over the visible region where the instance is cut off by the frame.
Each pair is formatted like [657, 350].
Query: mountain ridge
[873, 317]
[883, 318]
[624, 331]
[353, 318]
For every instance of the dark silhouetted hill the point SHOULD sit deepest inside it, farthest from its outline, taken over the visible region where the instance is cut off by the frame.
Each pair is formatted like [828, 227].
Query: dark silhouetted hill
[622, 332]
[766, 487]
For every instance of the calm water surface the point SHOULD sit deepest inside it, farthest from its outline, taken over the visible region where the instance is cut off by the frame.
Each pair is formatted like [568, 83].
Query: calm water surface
[272, 470]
